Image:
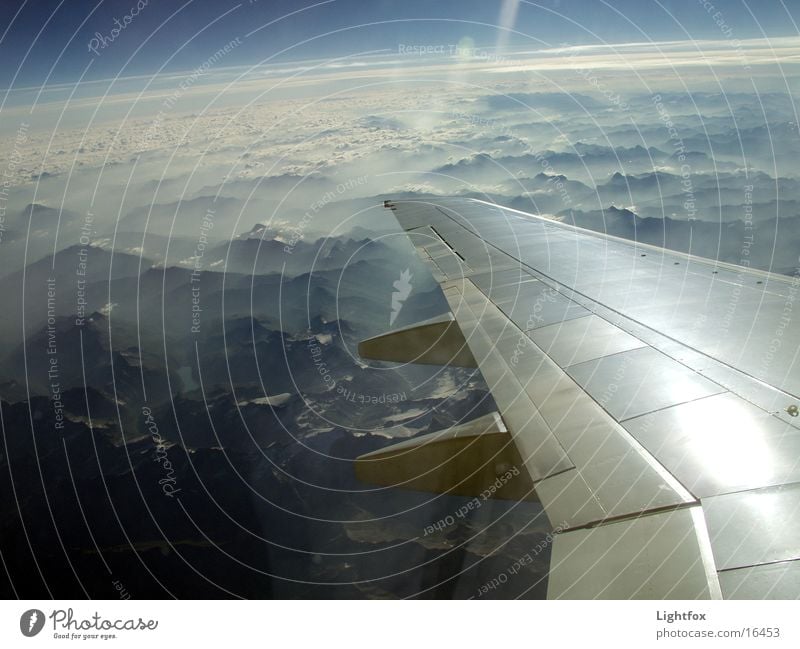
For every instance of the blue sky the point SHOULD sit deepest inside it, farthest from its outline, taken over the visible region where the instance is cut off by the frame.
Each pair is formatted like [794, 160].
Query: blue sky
[47, 40]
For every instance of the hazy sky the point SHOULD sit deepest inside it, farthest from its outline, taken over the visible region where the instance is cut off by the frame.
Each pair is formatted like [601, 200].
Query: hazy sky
[48, 41]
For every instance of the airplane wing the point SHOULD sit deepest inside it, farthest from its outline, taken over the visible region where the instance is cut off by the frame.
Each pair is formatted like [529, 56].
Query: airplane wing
[647, 398]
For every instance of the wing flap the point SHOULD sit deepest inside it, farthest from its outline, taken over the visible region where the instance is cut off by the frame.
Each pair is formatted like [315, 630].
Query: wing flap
[434, 342]
[658, 556]
[476, 459]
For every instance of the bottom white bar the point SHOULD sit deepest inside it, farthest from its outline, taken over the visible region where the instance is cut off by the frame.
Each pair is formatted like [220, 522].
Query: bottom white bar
[398, 625]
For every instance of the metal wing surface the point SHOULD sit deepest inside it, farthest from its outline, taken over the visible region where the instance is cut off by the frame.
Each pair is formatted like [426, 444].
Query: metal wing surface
[647, 398]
